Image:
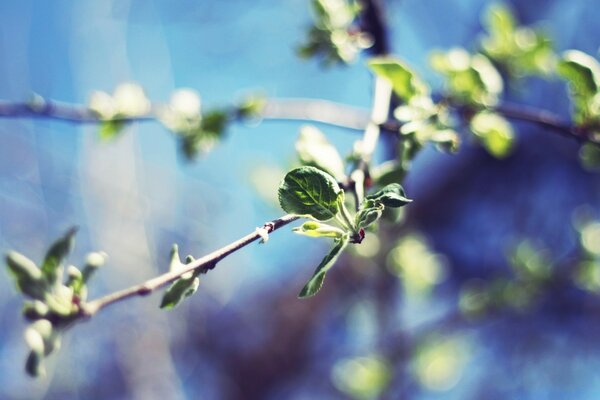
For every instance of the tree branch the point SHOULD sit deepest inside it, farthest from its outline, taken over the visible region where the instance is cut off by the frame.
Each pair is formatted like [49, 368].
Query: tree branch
[205, 264]
[300, 109]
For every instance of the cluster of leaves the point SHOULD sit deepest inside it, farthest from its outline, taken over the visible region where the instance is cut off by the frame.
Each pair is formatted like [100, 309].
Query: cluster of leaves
[53, 303]
[474, 85]
[422, 119]
[532, 272]
[517, 50]
[197, 132]
[312, 193]
[334, 37]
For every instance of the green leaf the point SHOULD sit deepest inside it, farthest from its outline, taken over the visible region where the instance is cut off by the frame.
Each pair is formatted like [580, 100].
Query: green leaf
[308, 191]
[75, 280]
[51, 267]
[215, 122]
[34, 366]
[405, 83]
[179, 290]
[470, 78]
[519, 50]
[183, 287]
[318, 229]
[110, 129]
[316, 282]
[589, 156]
[42, 338]
[315, 150]
[581, 70]
[93, 261]
[390, 196]
[369, 213]
[494, 132]
[28, 277]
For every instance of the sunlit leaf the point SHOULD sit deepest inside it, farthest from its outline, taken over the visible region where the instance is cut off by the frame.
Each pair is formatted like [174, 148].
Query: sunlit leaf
[28, 277]
[316, 282]
[308, 191]
[405, 83]
[315, 150]
[318, 229]
[494, 132]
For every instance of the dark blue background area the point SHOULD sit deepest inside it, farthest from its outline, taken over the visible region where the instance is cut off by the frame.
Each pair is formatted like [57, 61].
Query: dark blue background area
[239, 337]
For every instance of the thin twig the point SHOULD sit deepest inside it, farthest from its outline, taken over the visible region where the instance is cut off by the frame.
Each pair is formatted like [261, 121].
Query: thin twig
[205, 263]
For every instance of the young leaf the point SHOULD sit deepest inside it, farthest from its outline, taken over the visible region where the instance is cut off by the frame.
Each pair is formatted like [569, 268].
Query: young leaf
[369, 213]
[315, 150]
[179, 290]
[316, 282]
[390, 196]
[582, 71]
[308, 191]
[28, 276]
[494, 132]
[405, 83]
[183, 287]
[317, 229]
[56, 254]
[110, 129]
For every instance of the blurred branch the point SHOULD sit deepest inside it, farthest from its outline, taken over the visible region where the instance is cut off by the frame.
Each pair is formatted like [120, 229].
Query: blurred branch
[205, 264]
[299, 109]
[538, 116]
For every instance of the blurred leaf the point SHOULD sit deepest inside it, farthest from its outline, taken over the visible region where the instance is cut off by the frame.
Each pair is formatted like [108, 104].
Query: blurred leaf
[42, 339]
[179, 290]
[333, 37]
[252, 106]
[530, 262]
[318, 229]
[110, 129]
[412, 260]
[28, 277]
[362, 377]
[469, 78]
[34, 366]
[520, 50]
[51, 267]
[214, 122]
[316, 282]
[494, 132]
[34, 310]
[183, 287]
[75, 281]
[589, 156]
[390, 196]
[405, 83]
[439, 364]
[308, 191]
[582, 72]
[93, 261]
[315, 150]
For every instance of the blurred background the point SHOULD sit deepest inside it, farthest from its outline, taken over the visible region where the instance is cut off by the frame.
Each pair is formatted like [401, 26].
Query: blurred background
[489, 289]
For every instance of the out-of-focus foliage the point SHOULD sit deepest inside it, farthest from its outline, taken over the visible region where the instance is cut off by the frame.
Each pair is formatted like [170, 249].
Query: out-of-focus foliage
[334, 37]
[519, 50]
[54, 303]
